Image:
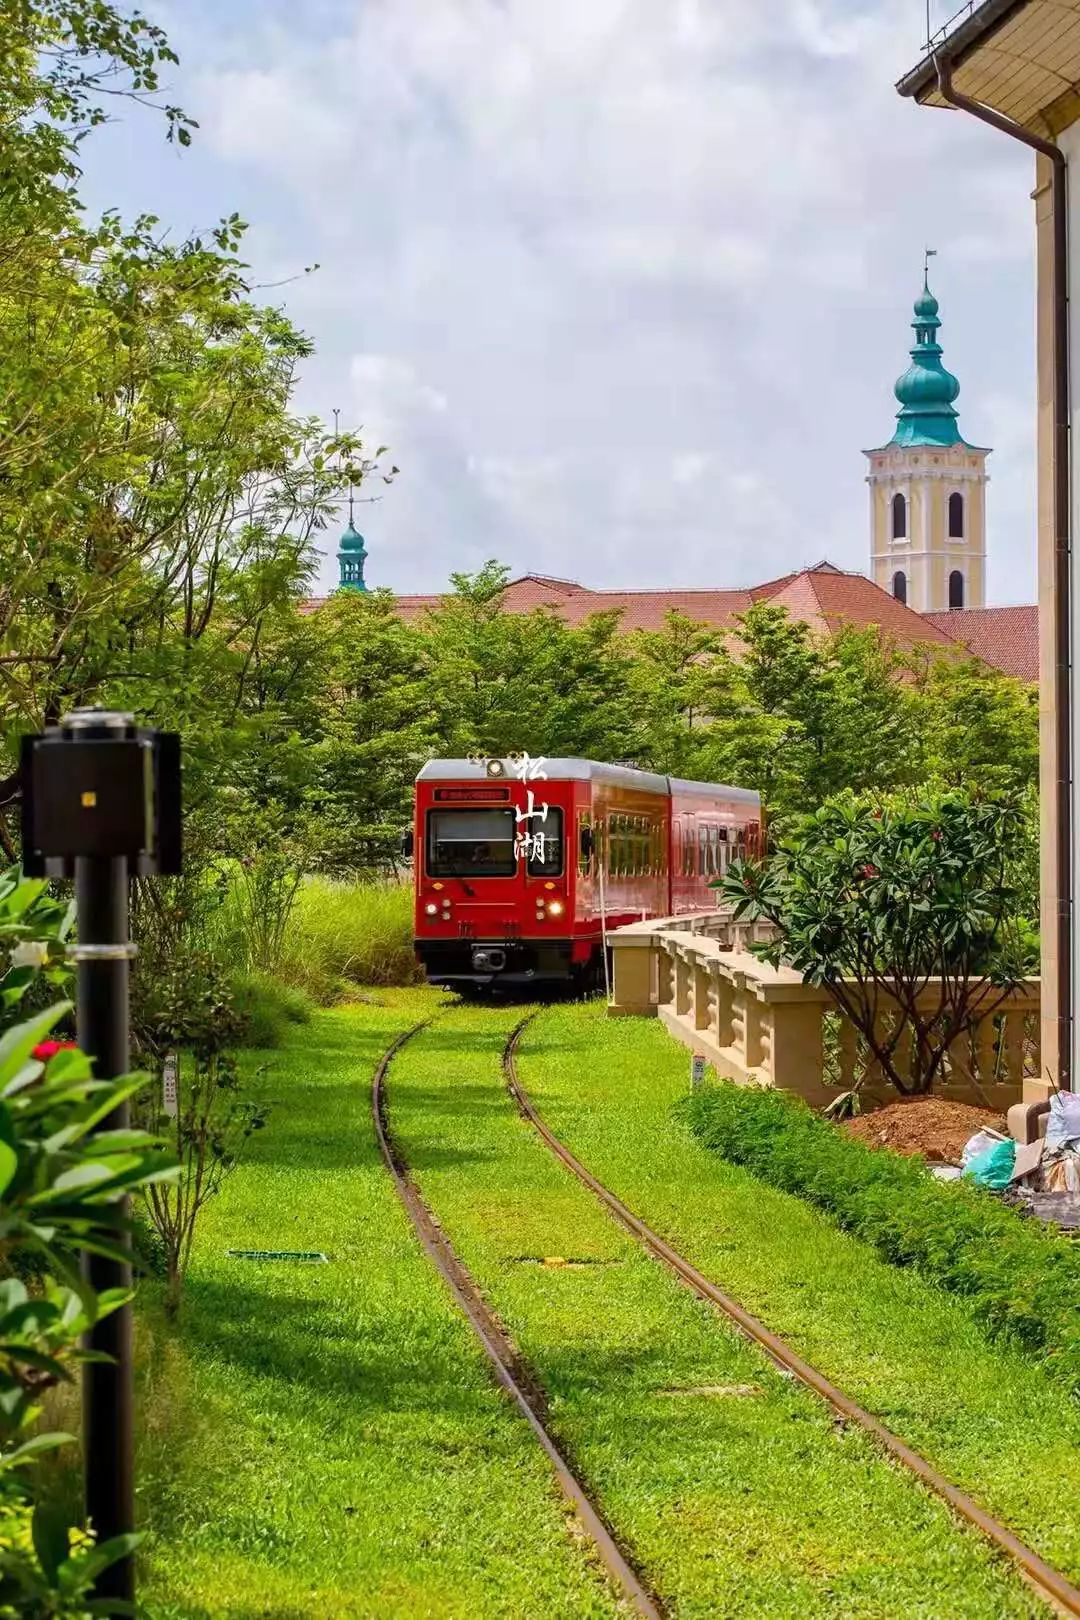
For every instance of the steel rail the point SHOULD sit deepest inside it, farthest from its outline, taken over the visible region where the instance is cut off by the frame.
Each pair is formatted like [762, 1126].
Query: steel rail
[1048, 1582]
[504, 1360]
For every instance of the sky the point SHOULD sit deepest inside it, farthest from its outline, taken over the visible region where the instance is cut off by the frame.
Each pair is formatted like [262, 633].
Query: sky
[625, 286]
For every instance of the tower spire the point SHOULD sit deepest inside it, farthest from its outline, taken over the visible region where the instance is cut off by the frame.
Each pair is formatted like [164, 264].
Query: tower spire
[352, 553]
[927, 415]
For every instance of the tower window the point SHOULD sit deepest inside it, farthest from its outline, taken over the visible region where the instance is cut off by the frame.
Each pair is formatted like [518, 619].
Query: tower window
[899, 517]
[956, 516]
[956, 589]
[899, 585]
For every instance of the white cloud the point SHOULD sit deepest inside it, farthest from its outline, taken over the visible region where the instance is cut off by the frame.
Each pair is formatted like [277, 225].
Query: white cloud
[625, 285]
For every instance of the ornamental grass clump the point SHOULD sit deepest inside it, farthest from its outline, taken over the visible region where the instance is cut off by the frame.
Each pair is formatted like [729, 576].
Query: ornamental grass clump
[906, 911]
[1021, 1278]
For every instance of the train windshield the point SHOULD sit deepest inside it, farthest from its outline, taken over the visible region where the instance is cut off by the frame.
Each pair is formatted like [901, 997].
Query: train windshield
[471, 843]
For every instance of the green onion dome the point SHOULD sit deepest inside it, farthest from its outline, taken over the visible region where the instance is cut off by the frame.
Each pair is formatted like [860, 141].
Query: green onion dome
[926, 390]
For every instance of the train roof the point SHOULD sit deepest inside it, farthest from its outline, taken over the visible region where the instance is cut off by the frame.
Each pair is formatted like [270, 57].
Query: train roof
[581, 770]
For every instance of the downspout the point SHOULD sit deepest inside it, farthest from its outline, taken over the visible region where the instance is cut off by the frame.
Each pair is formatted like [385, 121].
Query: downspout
[1062, 559]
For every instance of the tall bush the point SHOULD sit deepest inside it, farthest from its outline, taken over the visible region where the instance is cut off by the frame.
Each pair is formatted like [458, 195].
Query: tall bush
[905, 910]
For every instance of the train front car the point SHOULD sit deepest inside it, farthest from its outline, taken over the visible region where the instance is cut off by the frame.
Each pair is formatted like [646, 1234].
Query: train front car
[522, 867]
[495, 867]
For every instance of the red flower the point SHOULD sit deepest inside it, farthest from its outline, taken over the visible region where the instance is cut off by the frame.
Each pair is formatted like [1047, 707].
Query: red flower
[936, 835]
[48, 1049]
[870, 871]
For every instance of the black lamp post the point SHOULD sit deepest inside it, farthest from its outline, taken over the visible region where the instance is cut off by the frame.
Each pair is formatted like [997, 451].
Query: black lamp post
[101, 804]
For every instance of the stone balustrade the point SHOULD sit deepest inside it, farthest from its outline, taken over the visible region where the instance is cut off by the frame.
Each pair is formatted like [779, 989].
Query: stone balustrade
[761, 1025]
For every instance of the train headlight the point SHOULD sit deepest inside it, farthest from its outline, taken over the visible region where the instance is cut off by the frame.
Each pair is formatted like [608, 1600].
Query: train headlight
[431, 908]
[555, 908]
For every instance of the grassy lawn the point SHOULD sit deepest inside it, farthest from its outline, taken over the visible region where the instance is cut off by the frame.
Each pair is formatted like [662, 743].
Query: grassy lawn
[989, 1419]
[327, 1440]
[733, 1489]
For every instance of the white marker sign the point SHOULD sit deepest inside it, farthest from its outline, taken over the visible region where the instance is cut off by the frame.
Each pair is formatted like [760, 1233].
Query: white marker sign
[697, 1071]
[169, 1076]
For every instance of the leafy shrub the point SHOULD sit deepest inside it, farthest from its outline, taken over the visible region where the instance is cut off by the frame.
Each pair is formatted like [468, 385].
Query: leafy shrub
[358, 932]
[265, 1009]
[875, 899]
[61, 1182]
[1021, 1278]
[191, 1014]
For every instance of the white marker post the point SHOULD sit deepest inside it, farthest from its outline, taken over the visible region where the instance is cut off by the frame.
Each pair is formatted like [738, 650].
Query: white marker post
[169, 1076]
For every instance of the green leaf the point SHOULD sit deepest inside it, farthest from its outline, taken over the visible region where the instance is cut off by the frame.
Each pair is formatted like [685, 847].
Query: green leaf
[34, 1448]
[52, 1538]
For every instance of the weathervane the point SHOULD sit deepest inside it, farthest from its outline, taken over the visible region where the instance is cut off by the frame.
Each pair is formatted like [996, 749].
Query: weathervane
[337, 435]
[928, 254]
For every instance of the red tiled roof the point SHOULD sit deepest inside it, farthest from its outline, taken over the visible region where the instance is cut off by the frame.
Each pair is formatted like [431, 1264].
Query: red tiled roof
[822, 596]
[1007, 637]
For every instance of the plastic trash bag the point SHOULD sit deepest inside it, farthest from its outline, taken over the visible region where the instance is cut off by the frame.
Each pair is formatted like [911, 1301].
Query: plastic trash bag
[979, 1143]
[1063, 1126]
[994, 1167]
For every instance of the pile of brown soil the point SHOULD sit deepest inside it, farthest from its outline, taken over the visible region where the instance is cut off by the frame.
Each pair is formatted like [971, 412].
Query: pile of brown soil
[928, 1125]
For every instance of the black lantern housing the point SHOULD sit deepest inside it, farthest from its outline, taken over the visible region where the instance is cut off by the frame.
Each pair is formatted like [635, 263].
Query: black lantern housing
[98, 785]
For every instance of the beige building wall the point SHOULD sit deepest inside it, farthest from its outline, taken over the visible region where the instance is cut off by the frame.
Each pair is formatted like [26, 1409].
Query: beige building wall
[927, 555]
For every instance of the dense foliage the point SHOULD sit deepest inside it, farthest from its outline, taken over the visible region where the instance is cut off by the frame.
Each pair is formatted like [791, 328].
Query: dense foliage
[61, 1185]
[905, 910]
[1022, 1279]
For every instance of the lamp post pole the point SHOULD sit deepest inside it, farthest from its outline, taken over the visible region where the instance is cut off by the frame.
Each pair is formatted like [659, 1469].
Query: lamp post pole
[101, 804]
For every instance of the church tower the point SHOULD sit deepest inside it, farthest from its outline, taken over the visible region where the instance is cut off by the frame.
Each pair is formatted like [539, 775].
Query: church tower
[928, 487]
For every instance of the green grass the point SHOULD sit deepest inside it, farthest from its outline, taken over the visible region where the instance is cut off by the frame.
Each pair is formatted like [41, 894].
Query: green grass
[267, 1008]
[327, 1440]
[984, 1414]
[361, 933]
[747, 1500]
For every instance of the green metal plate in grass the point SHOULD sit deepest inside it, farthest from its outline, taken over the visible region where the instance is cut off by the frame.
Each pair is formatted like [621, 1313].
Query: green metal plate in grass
[311, 1256]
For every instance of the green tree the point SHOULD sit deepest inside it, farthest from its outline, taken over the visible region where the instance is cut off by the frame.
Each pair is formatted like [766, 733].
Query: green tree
[980, 727]
[376, 726]
[676, 678]
[905, 910]
[500, 682]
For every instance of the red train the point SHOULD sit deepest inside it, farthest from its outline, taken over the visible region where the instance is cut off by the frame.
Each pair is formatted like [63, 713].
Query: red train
[522, 866]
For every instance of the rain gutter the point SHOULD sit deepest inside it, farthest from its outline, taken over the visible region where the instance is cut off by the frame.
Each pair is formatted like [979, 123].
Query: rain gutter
[1061, 519]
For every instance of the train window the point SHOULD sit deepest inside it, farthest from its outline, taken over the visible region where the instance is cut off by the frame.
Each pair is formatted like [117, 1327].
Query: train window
[723, 851]
[703, 850]
[471, 843]
[690, 851]
[586, 845]
[544, 857]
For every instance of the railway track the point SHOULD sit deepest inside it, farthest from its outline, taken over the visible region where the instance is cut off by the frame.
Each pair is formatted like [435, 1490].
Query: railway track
[1050, 1585]
[513, 1376]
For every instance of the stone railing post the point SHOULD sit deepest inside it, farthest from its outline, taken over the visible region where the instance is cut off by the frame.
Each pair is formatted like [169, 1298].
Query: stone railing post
[701, 984]
[632, 968]
[683, 989]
